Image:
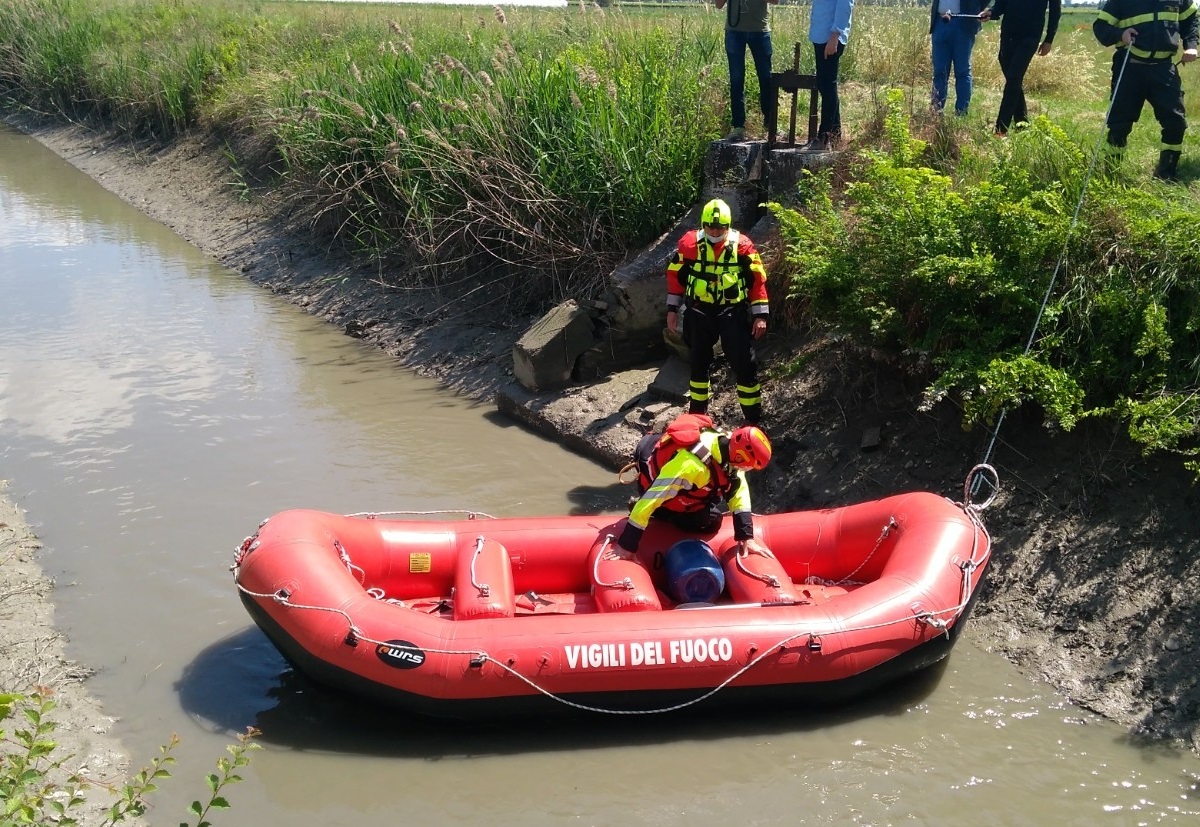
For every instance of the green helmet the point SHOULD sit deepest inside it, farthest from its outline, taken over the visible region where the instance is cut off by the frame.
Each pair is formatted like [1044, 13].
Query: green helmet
[716, 213]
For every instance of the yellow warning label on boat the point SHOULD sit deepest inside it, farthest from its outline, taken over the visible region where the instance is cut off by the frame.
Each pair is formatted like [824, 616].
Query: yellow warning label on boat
[420, 562]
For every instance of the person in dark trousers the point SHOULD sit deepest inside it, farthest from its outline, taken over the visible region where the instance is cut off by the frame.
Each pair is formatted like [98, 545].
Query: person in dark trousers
[716, 277]
[829, 31]
[748, 26]
[1022, 23]
[1148, 35]
[953, 25]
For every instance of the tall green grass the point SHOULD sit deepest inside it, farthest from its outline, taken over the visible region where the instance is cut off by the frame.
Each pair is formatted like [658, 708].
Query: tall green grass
[551, 150]
[529, 146]
[537, 145]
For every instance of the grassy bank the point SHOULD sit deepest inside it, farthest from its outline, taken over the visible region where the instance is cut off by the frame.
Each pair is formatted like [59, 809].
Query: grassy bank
[518, 153]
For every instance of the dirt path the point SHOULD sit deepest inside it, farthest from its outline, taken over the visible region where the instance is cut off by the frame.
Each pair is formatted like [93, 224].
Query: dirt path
[1096, 573]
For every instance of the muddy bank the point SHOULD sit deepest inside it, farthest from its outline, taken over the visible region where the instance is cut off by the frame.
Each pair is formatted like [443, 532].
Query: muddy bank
[34, 655]
[1095, 576]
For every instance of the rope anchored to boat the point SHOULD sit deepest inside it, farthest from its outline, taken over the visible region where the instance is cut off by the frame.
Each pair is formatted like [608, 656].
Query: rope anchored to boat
[484, 589]
[374, 515]
[626, 583]
[764, 577]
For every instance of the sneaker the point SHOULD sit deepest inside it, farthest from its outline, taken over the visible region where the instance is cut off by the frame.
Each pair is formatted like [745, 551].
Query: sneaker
[736, 134]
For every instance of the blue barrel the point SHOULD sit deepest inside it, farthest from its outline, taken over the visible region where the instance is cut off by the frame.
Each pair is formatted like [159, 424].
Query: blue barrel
[694, 574]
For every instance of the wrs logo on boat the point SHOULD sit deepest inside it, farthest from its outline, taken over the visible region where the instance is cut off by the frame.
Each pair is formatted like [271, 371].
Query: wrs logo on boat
[400, 654]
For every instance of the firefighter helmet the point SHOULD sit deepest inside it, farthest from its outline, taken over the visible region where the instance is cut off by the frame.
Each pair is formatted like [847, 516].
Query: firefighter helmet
[716, 213]
[749, 447]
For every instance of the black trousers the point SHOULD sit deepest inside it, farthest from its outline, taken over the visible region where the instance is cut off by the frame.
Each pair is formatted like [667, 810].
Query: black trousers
[1154, 83]
[1016, 53]
[703, 326]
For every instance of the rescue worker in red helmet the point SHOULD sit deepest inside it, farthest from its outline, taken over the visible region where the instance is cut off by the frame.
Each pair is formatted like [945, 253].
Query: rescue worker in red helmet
[717, 279]
[686, 484]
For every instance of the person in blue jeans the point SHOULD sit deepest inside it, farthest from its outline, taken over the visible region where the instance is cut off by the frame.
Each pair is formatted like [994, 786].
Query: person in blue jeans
[953, 25]
[748, 25]
[829, 31]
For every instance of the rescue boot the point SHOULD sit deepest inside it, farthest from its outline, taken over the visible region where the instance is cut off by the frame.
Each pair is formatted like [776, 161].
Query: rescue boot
[1168, 165]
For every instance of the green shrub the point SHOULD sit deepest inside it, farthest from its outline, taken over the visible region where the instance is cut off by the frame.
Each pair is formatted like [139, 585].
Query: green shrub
[1011, 284]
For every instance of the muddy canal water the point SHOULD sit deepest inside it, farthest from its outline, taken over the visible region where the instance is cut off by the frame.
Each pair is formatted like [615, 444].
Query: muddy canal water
[154, 407]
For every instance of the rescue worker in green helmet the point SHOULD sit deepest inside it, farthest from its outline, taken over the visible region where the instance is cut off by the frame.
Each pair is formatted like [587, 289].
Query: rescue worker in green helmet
[717, 281]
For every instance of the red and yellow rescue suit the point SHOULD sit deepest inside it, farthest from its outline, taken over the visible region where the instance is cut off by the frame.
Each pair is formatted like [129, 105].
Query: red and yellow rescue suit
[721, 289]
[687, 489]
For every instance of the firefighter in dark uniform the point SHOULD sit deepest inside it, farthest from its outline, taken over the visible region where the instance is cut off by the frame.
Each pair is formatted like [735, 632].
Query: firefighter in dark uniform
[1151, 31]
[717, 278]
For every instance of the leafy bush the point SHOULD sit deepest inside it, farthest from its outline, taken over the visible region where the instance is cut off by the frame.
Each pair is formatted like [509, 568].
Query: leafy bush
[991, 284]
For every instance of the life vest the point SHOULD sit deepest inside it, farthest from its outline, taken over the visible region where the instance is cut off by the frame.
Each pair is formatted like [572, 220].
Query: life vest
[653, 451]
[717, 278]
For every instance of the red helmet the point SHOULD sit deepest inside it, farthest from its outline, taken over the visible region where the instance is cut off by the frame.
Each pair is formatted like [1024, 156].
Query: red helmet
[749, 447]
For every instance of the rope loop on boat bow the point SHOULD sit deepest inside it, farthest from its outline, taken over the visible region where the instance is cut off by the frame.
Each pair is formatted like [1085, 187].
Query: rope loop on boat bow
[978, 476]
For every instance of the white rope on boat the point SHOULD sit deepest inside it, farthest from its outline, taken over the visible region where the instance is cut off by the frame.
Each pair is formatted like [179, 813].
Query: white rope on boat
[884, 533]
[483, 588]
[938, 619]
[373, 515]
[765, 577]
[626, 584]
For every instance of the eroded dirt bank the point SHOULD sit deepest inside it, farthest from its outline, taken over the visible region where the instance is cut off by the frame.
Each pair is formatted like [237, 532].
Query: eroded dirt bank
[33, 653]
[1095, 578]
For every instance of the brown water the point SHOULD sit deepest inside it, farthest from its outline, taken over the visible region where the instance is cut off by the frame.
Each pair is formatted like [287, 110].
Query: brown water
[155, 406]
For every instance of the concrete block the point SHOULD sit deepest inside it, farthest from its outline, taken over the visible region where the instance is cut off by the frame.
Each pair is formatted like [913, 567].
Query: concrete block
[544, 358]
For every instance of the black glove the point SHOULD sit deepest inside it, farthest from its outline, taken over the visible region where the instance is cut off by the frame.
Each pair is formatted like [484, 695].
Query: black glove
[743, 526]
[631, 537]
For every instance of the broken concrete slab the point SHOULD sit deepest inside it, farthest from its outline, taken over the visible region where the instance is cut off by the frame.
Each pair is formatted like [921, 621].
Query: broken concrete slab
[544, 358]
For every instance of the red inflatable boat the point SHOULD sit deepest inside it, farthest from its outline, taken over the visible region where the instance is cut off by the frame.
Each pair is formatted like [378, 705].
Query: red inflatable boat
[488, 617]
